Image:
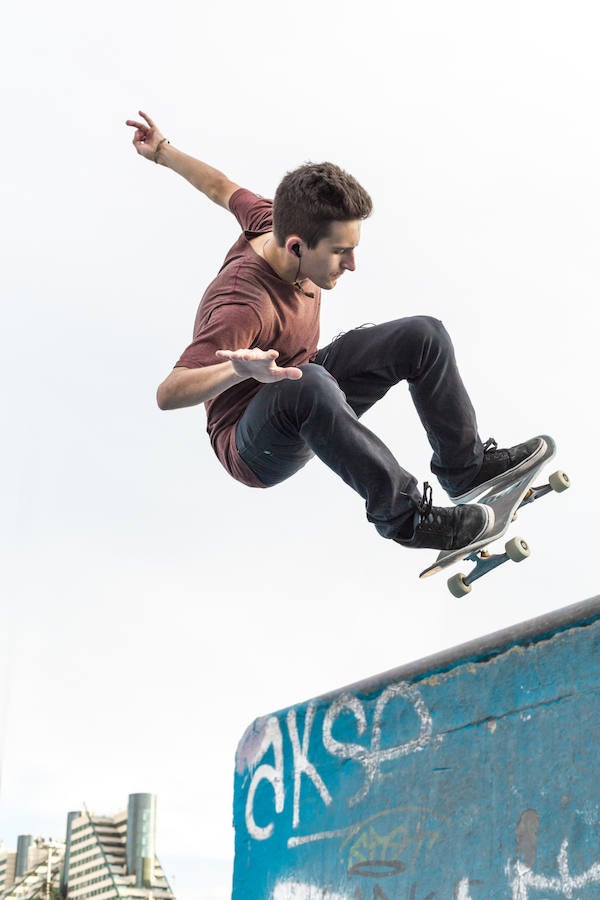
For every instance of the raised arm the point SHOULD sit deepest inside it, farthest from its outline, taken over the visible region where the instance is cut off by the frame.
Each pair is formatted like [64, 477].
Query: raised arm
[150, 143]
[189, 387]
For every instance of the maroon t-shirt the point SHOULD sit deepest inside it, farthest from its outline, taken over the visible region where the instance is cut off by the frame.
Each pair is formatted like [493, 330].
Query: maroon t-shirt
[247, 306]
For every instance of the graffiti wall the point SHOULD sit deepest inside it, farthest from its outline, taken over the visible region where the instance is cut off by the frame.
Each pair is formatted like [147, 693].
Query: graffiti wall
[476, 776]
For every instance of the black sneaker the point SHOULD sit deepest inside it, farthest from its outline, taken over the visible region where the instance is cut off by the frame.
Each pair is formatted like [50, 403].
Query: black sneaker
[449, 528]
[497, 463]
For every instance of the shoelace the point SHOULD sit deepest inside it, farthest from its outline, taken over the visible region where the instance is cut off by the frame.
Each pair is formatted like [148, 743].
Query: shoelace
[426, 501]
[490, 444]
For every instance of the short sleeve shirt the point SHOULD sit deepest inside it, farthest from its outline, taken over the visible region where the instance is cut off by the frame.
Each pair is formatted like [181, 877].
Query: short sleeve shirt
[247, 306]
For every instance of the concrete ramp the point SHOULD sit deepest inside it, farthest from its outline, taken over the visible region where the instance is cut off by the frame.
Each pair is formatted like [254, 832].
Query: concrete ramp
[471, 775]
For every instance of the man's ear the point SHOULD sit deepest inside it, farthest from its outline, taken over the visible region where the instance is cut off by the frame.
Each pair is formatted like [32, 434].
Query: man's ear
[294, 245]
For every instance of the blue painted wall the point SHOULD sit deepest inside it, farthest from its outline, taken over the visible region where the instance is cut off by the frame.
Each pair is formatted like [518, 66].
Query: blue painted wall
[477, 776]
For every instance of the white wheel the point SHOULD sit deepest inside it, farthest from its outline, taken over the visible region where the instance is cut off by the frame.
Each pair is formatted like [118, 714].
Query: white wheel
[517, 549]
[457, 586]
[559, 482]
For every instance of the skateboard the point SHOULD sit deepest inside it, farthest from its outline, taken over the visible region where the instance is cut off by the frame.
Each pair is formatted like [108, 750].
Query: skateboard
[506, 497]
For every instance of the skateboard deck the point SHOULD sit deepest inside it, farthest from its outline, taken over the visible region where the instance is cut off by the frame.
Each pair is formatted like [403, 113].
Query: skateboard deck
[505, 497]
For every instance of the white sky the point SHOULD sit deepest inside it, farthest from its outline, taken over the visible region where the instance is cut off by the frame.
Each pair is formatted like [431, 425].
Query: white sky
[152, 607]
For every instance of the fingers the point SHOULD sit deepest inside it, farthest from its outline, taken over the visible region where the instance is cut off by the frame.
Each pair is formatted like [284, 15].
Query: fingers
[291, 373]
[144, 130]
[247, 355]
[259, 364]
[147, 118]
[141, 135]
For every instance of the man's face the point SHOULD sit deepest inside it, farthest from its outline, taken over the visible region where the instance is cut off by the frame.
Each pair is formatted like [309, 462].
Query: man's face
[326, 262]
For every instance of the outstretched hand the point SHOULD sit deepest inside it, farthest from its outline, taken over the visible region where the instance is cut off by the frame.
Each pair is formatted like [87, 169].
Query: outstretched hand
[147, 136]
[258, 364]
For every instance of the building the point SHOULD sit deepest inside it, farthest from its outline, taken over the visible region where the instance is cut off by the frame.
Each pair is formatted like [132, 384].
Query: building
[114, 856]
[33, 870]
[8, 860]
[103, 857]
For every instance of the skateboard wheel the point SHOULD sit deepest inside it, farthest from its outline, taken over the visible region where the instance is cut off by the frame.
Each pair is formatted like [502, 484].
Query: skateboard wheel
[559, 482]
[517, 549]
[457, 585]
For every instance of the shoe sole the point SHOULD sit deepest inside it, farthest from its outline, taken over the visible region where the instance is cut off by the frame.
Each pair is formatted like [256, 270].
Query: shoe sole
[509, 475]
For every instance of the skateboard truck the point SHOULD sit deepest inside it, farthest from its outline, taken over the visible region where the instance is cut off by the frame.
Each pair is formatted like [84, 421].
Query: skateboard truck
[515, 550]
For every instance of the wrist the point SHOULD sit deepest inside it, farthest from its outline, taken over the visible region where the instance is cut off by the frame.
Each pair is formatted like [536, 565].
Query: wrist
[237, 374]
[160, 150]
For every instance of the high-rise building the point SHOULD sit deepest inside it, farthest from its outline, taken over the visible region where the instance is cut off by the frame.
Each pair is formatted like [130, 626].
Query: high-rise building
[114, 856]
[103, 857]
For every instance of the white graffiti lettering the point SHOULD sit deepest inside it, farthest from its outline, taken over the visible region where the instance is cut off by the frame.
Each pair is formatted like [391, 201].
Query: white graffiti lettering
[302, 766]
[297, 890]
[461, 891]
[300, 890]
[271, 737]
[372, 757]
[564, 884]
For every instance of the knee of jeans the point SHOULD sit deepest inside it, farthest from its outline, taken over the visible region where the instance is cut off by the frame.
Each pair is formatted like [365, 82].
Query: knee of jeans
[428, 326]
[432, 333]
[318, 387]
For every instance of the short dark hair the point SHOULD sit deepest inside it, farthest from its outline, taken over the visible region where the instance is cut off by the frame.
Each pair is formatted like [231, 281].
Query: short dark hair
[314, 195]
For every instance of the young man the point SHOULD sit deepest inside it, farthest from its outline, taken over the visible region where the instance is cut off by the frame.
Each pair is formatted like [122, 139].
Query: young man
[273, 399]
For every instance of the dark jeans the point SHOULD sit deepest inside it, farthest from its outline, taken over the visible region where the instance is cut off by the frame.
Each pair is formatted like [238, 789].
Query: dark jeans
[288, 422]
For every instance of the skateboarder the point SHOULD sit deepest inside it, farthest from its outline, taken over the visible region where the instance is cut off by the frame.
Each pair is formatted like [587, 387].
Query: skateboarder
[274, 399]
